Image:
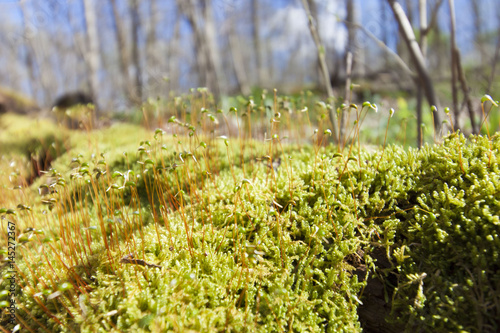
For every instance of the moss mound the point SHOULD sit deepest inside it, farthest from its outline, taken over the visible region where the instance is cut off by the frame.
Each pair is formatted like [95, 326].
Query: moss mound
[11, 101]
[185, 235]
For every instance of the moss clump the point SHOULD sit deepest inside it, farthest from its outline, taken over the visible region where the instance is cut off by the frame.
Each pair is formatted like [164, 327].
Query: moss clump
[446, 248]
[11, 101]
[247, 245]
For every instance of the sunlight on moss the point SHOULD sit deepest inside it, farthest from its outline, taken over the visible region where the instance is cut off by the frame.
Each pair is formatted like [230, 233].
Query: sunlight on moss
[173, 230]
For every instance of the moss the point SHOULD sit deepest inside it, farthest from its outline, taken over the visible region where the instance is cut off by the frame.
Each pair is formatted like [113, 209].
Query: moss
[248, 246]
[451, 237]
[12, 101]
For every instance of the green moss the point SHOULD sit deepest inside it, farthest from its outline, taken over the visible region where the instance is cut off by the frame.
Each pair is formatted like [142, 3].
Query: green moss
[451, 235]
[244, 246]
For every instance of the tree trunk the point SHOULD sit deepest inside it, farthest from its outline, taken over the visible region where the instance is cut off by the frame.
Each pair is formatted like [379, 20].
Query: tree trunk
[173, 58]
[257, 44]
[186, 8]
[29, 59]
[92, 53]
[317, 66]
[152, 63]
[422, 7]
[418, 58]
[383, 16]
[351, 34]
[136, 25]
[478, 19]
[216, 75]
[350, 60]
[457, 74]
[465, 90]
[453, 55]
[208, 66]
[496, 56]
[79, 45]
[123, 52]
[409, 10]
[239, 66]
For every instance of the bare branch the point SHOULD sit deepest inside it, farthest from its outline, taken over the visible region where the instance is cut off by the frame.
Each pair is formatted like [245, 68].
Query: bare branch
[322, 61]
[453, 54]
[494, 62]
[433, 21]
[418, 58]
[321, 49]
[386, 49]
[465, 90]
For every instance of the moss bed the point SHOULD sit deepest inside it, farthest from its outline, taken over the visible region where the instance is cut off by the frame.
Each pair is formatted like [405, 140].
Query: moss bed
[247, 236]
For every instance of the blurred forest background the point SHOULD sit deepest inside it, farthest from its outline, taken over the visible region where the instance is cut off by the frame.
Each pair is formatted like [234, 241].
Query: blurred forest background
[123, 52]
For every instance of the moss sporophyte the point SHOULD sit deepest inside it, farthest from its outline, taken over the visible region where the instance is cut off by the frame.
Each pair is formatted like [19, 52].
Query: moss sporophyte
[183, 230]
